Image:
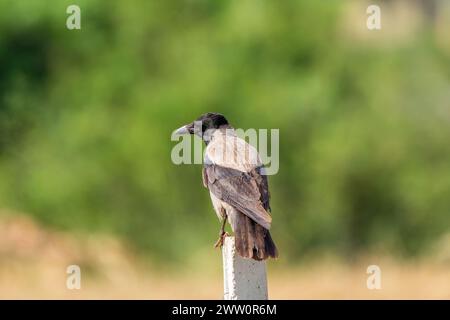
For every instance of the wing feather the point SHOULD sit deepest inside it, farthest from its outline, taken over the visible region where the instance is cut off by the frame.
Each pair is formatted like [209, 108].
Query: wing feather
[246, 192]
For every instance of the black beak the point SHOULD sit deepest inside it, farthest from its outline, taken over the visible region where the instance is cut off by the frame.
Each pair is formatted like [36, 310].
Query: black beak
[187, 129]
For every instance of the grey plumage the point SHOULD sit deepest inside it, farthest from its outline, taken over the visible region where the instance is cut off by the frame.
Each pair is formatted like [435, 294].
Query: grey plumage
[245, 199]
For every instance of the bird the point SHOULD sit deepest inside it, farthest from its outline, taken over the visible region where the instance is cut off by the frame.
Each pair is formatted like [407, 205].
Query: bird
[234, 175]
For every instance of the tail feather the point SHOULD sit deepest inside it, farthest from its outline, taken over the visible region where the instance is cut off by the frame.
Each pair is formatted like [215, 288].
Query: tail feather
[252, 240]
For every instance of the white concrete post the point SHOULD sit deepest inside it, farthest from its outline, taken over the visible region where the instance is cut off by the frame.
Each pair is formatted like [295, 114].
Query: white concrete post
[244, 279]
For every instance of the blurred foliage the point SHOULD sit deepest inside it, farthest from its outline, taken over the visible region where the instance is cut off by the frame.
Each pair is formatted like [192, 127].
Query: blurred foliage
[86, 118]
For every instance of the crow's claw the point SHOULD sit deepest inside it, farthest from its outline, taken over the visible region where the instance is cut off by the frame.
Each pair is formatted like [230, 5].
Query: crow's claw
[219, 242]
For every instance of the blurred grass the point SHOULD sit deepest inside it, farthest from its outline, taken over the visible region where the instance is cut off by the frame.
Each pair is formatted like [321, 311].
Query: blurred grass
[86, 117]
[33, 262]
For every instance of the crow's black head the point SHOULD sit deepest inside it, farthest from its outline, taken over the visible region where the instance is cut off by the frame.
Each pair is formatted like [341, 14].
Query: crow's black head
[207, 121]
[212, 120]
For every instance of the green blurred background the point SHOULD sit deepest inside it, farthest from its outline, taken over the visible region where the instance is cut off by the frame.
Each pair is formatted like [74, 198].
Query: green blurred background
[86, 117]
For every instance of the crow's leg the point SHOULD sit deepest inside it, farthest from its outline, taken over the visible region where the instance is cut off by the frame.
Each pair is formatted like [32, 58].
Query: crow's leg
[222, 233]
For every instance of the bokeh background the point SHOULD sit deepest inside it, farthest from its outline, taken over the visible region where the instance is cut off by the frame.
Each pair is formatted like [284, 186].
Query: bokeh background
[85, 122]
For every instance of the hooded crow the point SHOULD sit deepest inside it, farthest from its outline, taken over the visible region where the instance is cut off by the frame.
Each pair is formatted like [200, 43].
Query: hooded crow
[234, 175]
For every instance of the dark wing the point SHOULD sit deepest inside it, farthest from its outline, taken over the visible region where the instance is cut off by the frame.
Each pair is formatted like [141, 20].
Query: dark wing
[246, 192]
[263, 185]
